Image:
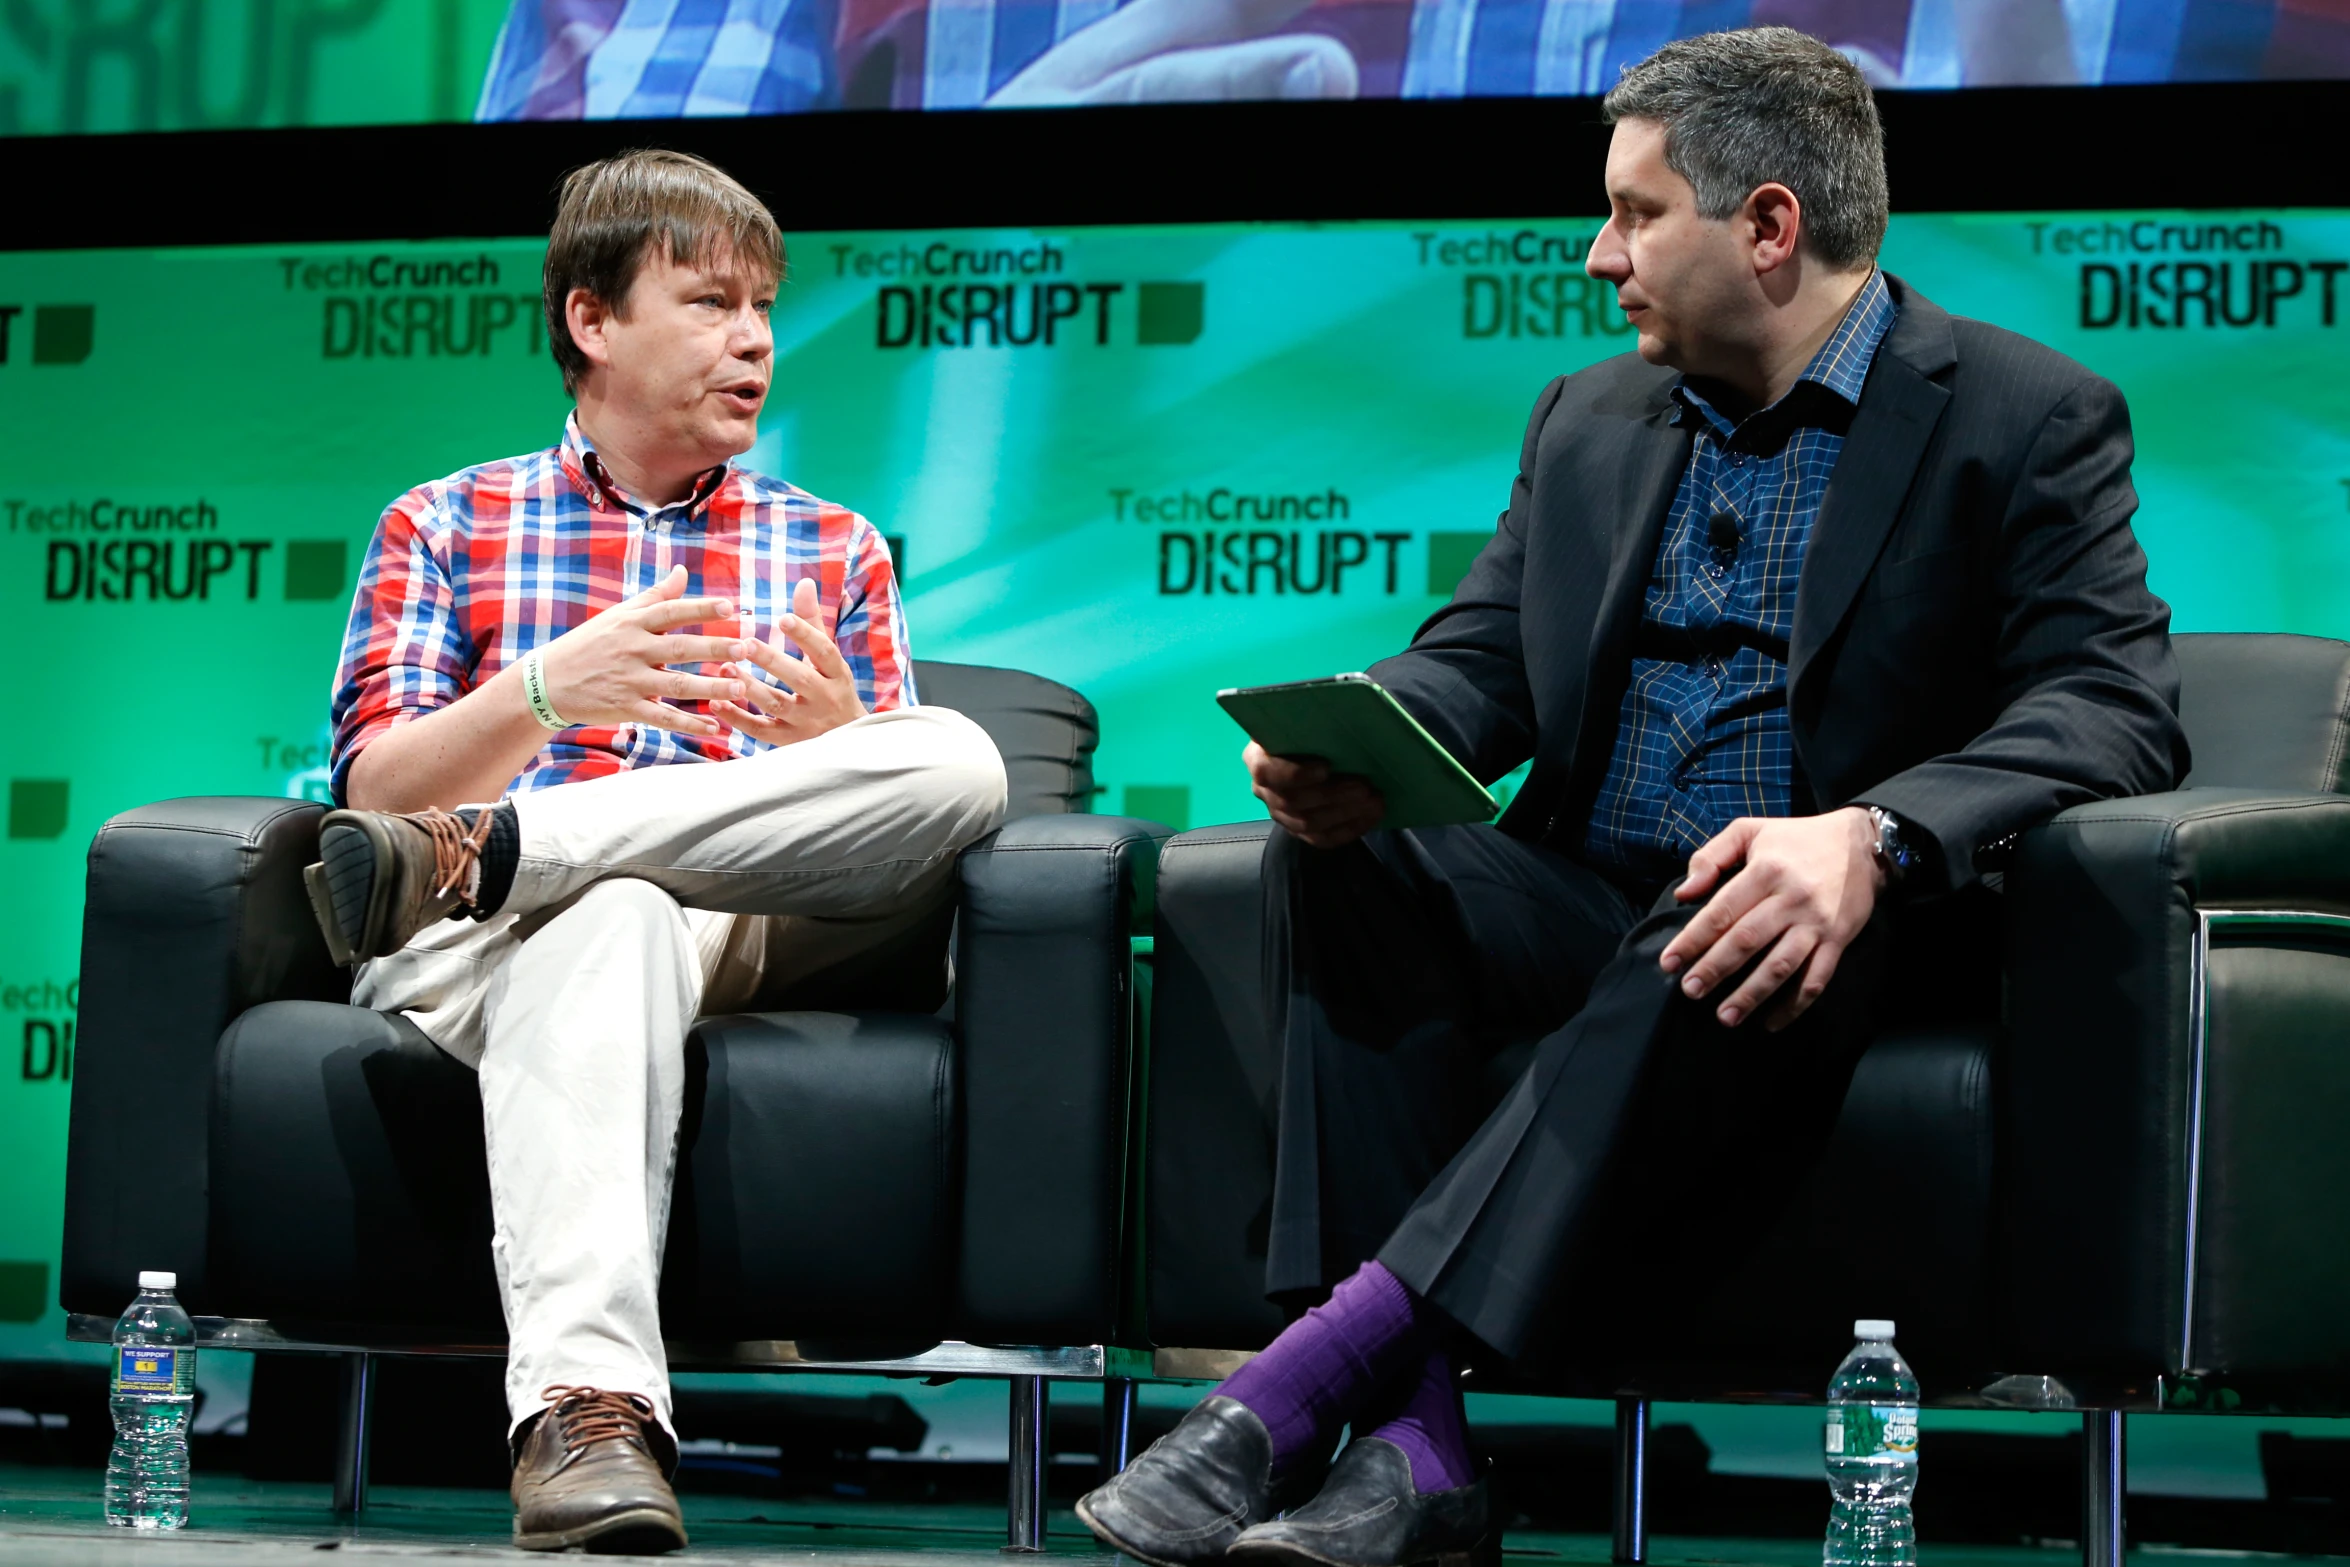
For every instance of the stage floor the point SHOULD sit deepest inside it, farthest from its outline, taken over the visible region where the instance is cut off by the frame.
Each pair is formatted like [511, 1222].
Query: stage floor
[50, 1517]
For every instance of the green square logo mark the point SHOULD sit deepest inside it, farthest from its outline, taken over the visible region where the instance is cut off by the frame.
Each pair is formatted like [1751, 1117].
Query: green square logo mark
[314, 568]
[1450, 555]
[36, 807]
[897, 555]
[1169, 803]
[1171, 312]
[24, 1291]
[62, 334]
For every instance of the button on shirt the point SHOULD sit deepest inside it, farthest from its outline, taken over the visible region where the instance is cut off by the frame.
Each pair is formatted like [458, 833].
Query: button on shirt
[1702, 736]
[469, 573]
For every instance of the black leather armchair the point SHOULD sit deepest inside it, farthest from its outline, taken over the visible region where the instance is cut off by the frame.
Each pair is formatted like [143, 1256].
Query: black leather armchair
[2117, 1175]
[884, 1185]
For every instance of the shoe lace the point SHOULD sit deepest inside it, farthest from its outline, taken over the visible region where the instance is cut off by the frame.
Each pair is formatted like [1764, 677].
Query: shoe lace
[455, 851]
[590, 1414]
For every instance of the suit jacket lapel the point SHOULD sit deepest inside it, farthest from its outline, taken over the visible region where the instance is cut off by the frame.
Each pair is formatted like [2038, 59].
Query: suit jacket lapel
[1899, 407]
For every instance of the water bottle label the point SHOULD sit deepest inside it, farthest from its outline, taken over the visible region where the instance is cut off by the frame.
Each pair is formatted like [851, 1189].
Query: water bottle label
[1870, 1430]
[149, 1368]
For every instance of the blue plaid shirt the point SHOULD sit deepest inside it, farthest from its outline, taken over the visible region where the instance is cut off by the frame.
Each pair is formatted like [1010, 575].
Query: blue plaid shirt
[1702, 736]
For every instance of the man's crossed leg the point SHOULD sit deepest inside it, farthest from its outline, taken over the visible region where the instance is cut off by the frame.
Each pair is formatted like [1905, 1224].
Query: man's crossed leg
[626, 907]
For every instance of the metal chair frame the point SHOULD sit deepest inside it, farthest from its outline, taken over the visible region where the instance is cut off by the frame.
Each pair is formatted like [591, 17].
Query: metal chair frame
[1026, 1369]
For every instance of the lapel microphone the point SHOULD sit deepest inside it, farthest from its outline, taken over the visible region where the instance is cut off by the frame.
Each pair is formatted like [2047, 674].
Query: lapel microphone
[1721, 530]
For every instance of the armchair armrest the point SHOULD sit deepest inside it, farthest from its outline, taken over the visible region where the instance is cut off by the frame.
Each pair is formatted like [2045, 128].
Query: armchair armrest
[1215, 1084]
[2164, 1068]
[1045, 1018]
[195, 912]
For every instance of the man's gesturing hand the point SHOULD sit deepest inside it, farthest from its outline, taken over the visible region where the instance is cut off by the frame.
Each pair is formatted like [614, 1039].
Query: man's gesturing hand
[1303, 796]
[1799, 890]
[819, 690]
[612, 667]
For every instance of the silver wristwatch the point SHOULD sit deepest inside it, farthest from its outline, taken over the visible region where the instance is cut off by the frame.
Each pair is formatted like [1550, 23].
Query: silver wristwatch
[1892, 849]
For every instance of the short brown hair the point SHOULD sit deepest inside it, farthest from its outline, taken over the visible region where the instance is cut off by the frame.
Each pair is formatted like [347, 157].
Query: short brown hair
[1762, 105]
[613, 213]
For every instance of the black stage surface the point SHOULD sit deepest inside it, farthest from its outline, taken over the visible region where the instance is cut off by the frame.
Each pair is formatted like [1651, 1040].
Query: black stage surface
[50, 1516]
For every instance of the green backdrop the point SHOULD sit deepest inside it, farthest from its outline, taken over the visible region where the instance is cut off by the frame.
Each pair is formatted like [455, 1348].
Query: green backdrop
[1168, 460]
[79, 65]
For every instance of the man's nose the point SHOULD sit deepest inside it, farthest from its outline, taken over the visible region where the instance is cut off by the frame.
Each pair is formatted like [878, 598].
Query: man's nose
[1607, 259]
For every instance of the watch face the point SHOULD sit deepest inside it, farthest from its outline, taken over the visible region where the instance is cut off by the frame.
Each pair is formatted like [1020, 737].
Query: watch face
[1897, 853]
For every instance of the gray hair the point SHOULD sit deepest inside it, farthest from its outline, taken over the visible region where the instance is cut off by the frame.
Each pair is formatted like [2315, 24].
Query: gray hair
[1768, 105]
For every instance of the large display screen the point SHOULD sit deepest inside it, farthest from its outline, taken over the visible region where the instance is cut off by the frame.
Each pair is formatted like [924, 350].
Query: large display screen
[81, 65]
[1148, 462]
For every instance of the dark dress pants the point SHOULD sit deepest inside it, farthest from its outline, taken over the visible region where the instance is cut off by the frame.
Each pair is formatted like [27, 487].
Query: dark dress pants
[1489, 1084]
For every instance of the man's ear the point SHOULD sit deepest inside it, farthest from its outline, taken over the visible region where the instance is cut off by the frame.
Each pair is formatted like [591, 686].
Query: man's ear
[1775, 220]
[589, 320]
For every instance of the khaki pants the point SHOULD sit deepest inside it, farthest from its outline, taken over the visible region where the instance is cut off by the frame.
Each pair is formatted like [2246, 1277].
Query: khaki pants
[640, 902]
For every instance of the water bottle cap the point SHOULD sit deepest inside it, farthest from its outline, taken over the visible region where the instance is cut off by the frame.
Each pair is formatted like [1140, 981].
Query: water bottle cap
[159, 1281]
[1873, 1329]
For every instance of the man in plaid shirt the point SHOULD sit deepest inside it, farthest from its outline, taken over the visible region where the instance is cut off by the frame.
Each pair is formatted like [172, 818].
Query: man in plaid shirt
[577, 635]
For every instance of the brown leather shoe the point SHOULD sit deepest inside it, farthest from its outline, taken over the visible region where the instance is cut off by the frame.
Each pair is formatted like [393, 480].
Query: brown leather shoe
[592, 1473]
[382, 877]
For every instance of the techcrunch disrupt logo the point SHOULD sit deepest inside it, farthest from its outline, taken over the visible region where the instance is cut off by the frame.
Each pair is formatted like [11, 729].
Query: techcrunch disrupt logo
[944, 295]
[388, 274]
[409, 307]
[1524, 283]
[109, 551]
[1013, 315]
[2182, 274]
[1245, 560]
[62, 334]
[944, 259]
[1223, 504]
[104, 516]
[2136, 295]
[48, 1040]
[1268, 560]
[2152, 237]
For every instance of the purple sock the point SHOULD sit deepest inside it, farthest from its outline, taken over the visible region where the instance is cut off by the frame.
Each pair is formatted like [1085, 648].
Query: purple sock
[1420, 1412]
[1329, 1362]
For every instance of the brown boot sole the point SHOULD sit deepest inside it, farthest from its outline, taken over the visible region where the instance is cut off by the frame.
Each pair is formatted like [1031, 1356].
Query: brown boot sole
[357, 887]
[638, 1531]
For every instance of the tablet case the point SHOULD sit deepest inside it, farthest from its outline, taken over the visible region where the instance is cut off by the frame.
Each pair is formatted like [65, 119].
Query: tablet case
[1351, 722]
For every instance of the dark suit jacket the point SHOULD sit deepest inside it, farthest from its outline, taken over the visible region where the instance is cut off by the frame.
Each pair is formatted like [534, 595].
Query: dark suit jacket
[1975, 648]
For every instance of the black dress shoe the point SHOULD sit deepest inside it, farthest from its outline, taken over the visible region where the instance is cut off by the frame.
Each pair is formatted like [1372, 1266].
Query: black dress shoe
[1368, 1515]
[1192, 1492]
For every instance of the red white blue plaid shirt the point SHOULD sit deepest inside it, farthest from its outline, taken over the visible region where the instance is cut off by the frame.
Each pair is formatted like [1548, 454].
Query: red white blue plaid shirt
[469, 573]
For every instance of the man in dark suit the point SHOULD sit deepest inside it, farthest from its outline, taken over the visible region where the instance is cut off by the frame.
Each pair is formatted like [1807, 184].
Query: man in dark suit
[1800, 614]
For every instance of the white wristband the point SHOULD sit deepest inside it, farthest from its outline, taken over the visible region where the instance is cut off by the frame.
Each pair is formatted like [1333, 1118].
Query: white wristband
[534, 690]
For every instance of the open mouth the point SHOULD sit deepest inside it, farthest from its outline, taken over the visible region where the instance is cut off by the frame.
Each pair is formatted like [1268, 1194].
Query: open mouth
[745, 398]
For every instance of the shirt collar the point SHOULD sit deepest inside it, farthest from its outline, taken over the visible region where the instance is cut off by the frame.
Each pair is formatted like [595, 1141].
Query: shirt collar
[1841, 367]
[587, 474]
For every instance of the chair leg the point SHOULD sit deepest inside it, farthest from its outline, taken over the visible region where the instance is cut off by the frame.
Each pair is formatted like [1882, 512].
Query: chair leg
[1117, 1423]
[1631, 1480]
[356, 1435]
[2104, 1475]
[1024, 1516]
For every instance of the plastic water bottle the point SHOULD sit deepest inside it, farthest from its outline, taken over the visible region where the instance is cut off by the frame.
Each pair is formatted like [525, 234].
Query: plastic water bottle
[1872, 1443]
[154, 1394]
